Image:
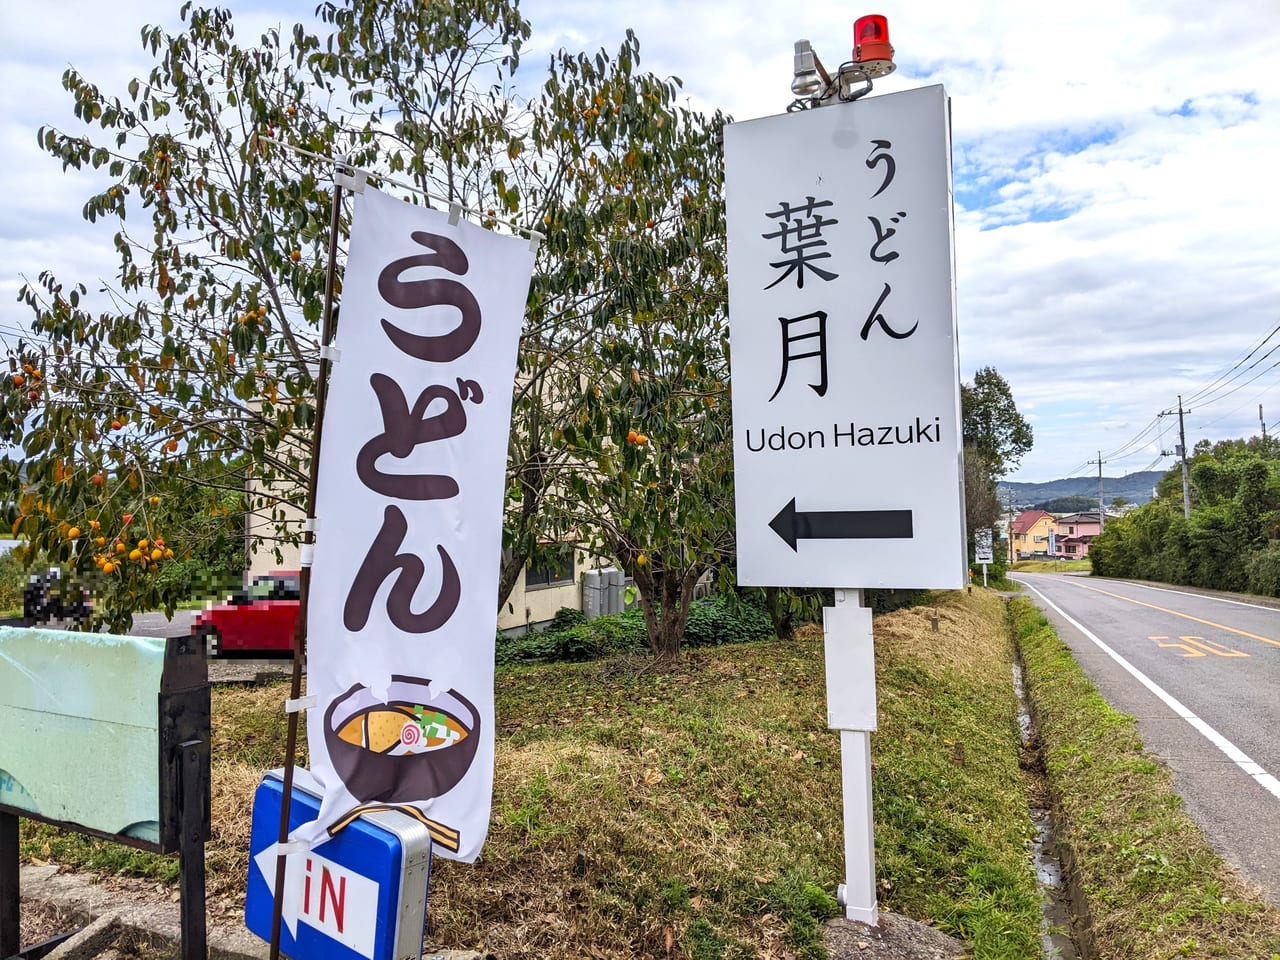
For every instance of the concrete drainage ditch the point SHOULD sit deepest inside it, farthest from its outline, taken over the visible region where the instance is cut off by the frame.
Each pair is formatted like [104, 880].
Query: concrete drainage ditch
[1061, 934]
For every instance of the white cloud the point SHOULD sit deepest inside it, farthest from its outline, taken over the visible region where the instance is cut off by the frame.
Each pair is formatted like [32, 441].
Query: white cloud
[1118, 228]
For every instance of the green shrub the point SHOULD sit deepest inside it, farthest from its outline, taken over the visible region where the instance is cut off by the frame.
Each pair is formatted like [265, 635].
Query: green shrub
[567, 617]
[524, 648]
[570, 637]
[996, 569]
[718, 620]
[1262, 568]
[602, 637]
[620, 632]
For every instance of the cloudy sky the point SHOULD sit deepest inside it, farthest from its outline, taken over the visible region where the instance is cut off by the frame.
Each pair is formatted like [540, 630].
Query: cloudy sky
[1117, 217]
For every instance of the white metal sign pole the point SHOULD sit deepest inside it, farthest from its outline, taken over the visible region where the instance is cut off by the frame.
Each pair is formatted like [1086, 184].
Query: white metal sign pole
[848, 640]
[846, 406]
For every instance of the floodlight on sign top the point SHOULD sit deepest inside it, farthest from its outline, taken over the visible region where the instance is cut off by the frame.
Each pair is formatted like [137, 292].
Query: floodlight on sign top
[808, 82]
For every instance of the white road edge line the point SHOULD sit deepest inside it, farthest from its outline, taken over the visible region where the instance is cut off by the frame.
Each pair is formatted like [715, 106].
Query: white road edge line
[1233, 753]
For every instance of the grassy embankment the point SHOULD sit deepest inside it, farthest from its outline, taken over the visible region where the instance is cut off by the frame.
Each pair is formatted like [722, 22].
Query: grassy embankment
[697, 813]
[1153, 886]
[1051, 566]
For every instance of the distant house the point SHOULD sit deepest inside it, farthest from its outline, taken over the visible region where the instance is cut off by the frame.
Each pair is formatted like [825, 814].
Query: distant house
[1030, 534]
[1075, 532]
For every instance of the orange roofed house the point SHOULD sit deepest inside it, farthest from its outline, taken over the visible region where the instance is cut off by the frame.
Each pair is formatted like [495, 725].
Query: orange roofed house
[1029, 534]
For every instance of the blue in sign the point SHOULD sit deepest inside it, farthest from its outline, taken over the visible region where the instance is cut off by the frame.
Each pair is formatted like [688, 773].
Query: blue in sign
[362, 894]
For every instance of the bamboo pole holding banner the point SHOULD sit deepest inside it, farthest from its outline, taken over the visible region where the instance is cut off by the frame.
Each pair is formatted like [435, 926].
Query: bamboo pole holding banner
[304, 574]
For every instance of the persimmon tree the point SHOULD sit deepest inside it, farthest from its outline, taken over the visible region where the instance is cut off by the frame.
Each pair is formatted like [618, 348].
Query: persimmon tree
[625, 185]
[652, 445]
[193, 370]
[654, 484]
[192, 366]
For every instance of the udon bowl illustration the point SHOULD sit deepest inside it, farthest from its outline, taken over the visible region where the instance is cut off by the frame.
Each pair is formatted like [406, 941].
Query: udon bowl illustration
[410, 747]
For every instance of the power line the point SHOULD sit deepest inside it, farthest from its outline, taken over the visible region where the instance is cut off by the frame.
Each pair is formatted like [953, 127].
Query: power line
[1195, 397]
[1234, 410]
[1124, 448]
[1154, 463]
[1241, 386]
[1214, 399]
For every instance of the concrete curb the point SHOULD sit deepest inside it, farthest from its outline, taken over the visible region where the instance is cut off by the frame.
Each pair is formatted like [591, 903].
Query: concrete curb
[90, 941]
[78, 896]
[158, 919]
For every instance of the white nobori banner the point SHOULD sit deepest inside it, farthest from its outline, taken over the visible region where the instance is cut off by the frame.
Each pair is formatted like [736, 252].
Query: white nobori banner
[402, 610]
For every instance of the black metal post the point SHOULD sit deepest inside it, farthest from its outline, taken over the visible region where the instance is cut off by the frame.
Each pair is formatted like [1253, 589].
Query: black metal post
[195, 797]
[10, 929]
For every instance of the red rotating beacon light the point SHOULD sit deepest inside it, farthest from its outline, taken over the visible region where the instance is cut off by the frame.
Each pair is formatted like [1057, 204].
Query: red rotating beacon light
[872, 51]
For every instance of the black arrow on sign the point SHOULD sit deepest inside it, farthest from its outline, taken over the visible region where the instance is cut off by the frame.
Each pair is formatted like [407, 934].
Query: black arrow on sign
[792, 525]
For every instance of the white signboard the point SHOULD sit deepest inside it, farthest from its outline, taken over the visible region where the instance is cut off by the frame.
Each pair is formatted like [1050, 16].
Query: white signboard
[982, 539]
[846, 411]
[401, 618]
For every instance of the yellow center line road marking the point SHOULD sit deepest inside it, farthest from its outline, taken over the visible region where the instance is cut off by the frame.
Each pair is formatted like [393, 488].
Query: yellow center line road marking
[1185, 616]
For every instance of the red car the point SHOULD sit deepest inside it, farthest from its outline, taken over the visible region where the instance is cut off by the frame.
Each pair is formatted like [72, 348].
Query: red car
[258, 621]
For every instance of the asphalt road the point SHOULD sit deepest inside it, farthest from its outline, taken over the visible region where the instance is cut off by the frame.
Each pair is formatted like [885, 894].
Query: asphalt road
[155, 624]
[221, 670]
[1201, 673]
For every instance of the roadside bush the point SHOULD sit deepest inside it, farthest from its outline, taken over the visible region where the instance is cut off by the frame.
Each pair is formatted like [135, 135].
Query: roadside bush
[1224, 545]
[719, 620]
[570, 637]
[1262, 570]
[996, 573]
[565, 618]
[886, 601]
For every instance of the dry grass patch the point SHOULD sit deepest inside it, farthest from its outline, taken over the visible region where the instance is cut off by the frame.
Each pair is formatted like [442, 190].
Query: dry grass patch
[231, 818]
[696, 813]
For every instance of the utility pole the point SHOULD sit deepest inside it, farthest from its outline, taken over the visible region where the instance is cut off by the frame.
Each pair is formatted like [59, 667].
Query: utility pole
[1186, 476]
[1262, 423]
[1008, 506]
[1102, 510]
[1182, 453]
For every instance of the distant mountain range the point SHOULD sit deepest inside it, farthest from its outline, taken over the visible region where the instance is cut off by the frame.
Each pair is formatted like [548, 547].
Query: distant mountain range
[1135, 488]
